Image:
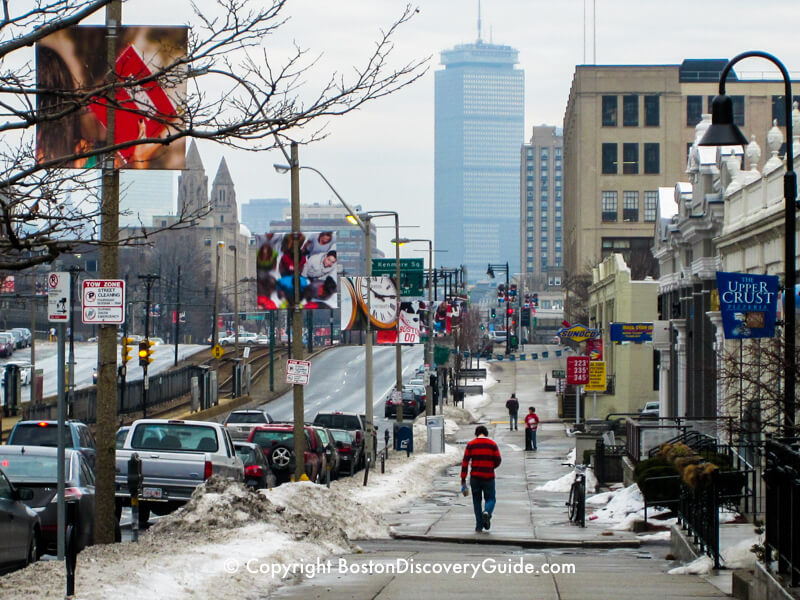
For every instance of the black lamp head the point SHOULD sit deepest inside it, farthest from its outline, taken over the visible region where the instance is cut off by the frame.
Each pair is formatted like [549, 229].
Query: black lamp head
[723, 131]
[490, 272]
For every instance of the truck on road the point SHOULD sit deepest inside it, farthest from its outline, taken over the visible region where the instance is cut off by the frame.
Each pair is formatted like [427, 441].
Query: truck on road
[177, 456]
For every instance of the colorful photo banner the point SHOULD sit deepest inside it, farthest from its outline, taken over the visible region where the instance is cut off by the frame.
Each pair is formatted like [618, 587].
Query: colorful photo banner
[69, 64]
[748, 304]
[369, 297]
[275, 270]
[631, 332]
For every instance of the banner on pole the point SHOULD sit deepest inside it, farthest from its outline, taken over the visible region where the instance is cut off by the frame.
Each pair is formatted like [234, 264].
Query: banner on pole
[748, 304]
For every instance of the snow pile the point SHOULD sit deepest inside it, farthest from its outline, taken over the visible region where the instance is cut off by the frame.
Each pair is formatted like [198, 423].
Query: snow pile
[571, 456]
[699, 566]
[621, 505]
[660, 536]
[740, 556]
[563, 484]
[219, 544]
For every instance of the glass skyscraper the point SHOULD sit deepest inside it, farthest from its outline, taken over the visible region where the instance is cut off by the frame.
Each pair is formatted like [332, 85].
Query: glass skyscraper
[479, 128]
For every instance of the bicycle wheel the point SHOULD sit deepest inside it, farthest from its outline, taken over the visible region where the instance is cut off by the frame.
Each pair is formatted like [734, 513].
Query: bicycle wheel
[580, 503]
[572, 503]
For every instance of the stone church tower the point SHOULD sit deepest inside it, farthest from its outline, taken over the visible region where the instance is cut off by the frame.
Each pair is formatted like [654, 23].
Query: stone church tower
[193, 185]
[223, 197]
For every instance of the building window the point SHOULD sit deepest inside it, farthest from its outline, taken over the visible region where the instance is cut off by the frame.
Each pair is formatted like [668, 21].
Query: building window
[609, 159]
[650, 206]
[651, 159]
[779, 109]
[609, 207]
[544, 154]
[630, 206]
[630, 110]
[609, 111]
[651, 111]
[630, 159]
[694, 110]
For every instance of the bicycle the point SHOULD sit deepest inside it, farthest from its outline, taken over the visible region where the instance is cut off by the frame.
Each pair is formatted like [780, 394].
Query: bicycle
[576, 504]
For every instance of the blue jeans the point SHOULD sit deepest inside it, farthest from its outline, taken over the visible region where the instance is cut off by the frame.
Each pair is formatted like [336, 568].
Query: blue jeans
[512, 420]
[482, 489]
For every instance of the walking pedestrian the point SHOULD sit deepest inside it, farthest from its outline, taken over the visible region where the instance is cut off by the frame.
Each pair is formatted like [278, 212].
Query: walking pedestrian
[512, 404]
[531, 425]
[485, 457]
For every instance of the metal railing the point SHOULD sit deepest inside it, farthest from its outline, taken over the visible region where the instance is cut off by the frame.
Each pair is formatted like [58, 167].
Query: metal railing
[608, 462]
[782, 479]
[645, 434]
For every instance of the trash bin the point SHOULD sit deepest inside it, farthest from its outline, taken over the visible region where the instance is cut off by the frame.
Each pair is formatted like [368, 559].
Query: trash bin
[403, 437]
[435, 434]
[12, 389]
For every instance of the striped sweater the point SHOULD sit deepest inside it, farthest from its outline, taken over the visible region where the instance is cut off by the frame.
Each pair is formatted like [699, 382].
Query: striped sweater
[485, 458]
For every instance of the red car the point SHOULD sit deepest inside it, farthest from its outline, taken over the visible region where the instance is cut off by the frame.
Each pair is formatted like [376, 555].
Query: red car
[277, 442]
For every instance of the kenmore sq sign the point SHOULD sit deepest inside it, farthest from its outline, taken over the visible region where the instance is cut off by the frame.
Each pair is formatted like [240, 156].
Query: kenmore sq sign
[748, 304]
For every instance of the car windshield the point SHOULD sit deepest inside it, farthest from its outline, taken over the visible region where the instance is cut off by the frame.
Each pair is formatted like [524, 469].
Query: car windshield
[264, 438]
[28, 467]
[34, 434]
[246, 418]
[338, 421]
[341, 436]
[175, 437]
[245, 453]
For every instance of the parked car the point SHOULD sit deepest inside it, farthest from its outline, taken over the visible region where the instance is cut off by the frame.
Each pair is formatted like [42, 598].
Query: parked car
[34, 468]
[348, 421]
[244, 338]
[350, 453]
[499, 337]
[332, 459]
[20, 526]
[122, 433]
[277, 443]
[651, 410]
[19, 339]
[412, 404]
[26, 335]
[7, 344]
[257, 473]
[241, 422]
[177, 456]
[45, 433]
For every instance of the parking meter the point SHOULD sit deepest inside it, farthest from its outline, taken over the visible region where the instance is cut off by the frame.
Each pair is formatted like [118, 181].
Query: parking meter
[386, 438]
[134, 485]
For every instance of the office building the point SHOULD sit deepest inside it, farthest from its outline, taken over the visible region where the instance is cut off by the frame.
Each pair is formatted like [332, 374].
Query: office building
[479, 128]
[627, 131]
[260, 212]
[143, 195]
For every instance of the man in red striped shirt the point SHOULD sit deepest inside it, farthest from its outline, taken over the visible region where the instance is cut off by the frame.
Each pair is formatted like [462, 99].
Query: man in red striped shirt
[485, 457]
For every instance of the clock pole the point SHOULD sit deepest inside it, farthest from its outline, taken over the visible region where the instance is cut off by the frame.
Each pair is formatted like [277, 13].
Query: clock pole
[398, 357]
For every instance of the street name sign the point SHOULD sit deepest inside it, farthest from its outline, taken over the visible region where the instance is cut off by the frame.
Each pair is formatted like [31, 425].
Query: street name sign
[58, 297]
[103, 301]
[298, 371]
[411, 273]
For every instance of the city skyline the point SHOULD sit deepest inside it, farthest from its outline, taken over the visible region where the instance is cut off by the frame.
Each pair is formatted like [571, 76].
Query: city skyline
[382, 156]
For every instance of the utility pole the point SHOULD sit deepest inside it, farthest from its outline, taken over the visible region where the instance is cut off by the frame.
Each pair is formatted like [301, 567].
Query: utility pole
[235, 302]
[297, 321]
[104, 517]
[149, 280]
[177, 314]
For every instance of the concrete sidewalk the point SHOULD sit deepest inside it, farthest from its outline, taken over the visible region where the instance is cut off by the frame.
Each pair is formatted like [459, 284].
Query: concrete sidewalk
[523, 516]
[435, 535]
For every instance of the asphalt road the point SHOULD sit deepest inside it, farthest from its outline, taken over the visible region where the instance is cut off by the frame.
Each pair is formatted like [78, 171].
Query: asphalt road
[337, 383]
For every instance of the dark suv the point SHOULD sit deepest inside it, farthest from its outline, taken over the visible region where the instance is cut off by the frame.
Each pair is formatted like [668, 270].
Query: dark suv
[45, 433]
[277, 442]
[353, 422]
[413, 404]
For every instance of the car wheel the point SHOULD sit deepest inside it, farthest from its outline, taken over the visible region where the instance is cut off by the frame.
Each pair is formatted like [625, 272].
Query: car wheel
[280, 457]
[33, 548]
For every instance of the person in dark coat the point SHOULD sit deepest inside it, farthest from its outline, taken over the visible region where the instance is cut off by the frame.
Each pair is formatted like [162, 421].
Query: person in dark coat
[512, 404]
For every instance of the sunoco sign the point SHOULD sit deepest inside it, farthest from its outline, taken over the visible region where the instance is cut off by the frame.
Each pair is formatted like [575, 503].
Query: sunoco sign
[578, 333]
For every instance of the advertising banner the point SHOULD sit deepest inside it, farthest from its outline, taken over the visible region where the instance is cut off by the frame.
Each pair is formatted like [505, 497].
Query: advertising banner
[149, 105]
[275, 270]
[410, 328]
[631, 332]
[594, 348]
[373, 297]
[748, 304]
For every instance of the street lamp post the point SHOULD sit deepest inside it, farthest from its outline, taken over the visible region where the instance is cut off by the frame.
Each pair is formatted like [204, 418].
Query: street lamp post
[490, 272]
[220, 244]
[429, 345]
[723, 132]
[235, 302]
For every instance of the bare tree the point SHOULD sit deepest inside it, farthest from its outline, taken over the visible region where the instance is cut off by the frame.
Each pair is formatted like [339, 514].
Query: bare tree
[236, 94]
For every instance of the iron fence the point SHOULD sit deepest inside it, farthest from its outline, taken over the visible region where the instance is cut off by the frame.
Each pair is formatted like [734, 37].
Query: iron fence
[782, 479]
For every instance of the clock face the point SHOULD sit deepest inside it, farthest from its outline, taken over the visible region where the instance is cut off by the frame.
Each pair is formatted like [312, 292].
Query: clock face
[383, 302]
[349, 305]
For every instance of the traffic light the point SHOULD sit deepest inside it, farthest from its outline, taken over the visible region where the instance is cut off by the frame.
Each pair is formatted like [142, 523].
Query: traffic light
[510, 311]
[512, 291]
[145, 352]
[483, 326]
[127, 346]
[494, 313]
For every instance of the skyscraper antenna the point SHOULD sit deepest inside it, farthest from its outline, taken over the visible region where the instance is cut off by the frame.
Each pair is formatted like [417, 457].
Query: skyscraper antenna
[479, 21]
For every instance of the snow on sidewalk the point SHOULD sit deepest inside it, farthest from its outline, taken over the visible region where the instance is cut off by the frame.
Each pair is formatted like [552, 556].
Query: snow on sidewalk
[231, 542]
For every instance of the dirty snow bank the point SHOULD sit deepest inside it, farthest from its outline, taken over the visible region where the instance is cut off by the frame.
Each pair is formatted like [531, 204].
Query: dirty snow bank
[204, 550]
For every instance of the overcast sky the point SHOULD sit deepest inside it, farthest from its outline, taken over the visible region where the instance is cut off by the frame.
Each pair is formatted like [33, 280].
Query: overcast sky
[382, 156]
